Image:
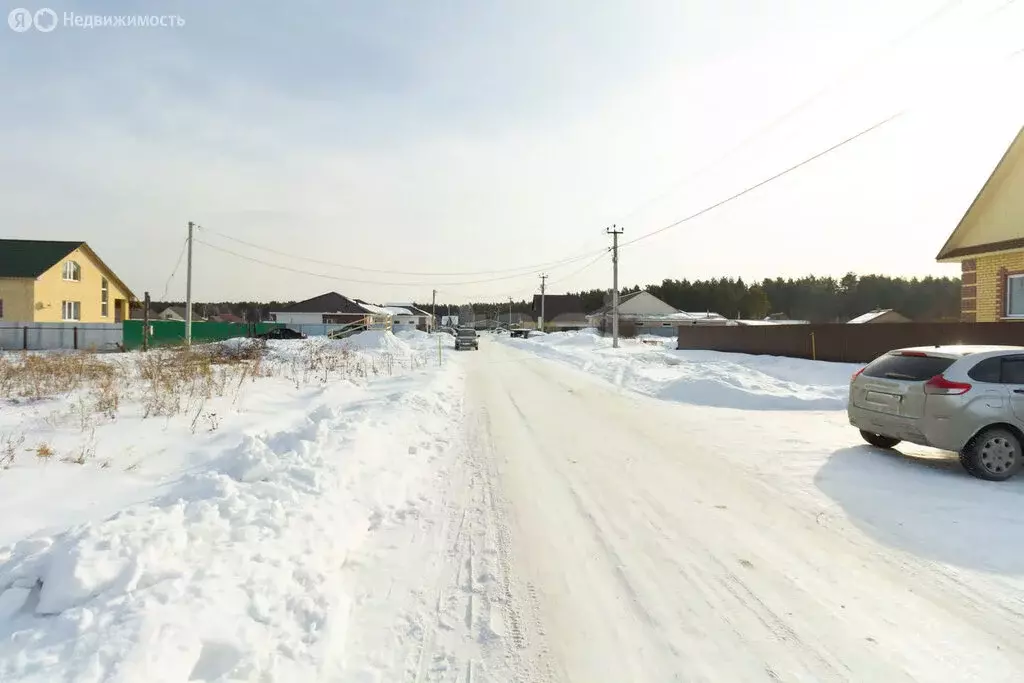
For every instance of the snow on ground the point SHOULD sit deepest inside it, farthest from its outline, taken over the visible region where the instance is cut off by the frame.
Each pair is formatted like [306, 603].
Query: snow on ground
[199, 533]
[666, 541]
[652, 365]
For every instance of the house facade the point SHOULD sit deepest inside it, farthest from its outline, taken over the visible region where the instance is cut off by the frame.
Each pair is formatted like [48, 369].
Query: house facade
[333, 309]
[561, 311]
[408, 317]
[49, 281]
[651, 315]
[989, 244]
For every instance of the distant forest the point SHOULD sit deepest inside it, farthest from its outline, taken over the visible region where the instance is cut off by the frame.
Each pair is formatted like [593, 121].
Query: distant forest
[817, 299]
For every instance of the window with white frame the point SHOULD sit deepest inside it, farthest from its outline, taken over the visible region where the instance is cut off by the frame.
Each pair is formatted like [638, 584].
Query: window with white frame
[104, 297]
[72, 271]
[1015, 296]
[72, 310]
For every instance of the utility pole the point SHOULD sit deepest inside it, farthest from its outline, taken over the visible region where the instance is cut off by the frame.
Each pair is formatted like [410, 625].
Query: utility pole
[543, 287]
[188, 290]
[614, 231]
[433, 311]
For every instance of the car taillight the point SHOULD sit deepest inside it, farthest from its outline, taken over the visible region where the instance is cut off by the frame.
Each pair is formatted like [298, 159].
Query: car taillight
[944, 387]
[857, 374]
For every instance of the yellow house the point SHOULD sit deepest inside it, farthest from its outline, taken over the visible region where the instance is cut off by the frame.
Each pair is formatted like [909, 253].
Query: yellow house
[989, 244]
[45, 281]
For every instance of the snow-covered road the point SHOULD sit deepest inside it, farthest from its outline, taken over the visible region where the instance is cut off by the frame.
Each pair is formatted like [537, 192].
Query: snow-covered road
[593, 534]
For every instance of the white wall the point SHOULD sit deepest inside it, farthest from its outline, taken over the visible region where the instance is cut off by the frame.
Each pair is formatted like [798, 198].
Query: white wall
[299, 318]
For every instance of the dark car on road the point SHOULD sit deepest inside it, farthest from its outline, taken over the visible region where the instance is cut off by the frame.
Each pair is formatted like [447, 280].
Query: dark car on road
[281, 333]
[467, 339]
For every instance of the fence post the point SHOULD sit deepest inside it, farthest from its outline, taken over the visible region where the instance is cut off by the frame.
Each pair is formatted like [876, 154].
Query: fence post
[24, 339]
[145, 324]
[74, 331]
[814, 350]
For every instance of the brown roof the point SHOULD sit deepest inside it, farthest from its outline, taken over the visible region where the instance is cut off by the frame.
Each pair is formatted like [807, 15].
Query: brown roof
[557, 304]
[331, 302]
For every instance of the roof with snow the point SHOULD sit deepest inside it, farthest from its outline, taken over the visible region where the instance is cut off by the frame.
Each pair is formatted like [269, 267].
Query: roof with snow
[876, 315]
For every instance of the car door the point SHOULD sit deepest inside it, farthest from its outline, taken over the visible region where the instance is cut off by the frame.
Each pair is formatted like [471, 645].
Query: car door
[1013, 379]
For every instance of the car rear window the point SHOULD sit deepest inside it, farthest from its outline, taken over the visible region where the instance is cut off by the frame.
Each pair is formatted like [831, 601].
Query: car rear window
[908, 368]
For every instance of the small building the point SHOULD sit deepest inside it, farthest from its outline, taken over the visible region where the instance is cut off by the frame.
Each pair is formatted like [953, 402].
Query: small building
[332, 309]
[49, 281]
[178, 313]
[989, 244]
[650, 315]
[880, 315]
[515, 320]
[567, 308]
[408, 317]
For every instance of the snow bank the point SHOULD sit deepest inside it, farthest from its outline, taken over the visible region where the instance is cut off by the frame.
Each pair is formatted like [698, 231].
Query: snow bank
[220, 557]
[651, 365]
[377, 340]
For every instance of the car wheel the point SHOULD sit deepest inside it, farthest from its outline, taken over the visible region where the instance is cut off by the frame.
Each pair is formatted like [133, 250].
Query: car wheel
[993, 455]
[879, 440]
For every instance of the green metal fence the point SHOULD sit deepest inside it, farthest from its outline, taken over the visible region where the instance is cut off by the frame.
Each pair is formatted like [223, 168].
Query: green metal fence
[172, 332]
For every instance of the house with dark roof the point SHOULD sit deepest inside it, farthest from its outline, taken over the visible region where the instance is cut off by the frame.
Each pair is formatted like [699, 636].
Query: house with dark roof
[988, 243]
[53, 281]
[561, 311]
[331, 309]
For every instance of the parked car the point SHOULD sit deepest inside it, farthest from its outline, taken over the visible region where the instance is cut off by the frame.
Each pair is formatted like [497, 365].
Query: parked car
[966, 399]
[281, 333]
[467, 339]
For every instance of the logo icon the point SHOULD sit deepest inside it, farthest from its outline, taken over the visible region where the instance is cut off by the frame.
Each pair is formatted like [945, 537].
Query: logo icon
[20, 20]
[45, 20]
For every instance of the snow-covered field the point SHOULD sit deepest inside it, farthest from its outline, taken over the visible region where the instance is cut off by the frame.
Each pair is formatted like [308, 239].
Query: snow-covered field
[201, 535]
[653, 366]
[543, 510]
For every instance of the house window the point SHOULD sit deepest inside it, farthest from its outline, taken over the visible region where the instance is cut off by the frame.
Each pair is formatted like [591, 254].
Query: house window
[1015, 296]
[104, 297]
[72, 310]
[72, 271]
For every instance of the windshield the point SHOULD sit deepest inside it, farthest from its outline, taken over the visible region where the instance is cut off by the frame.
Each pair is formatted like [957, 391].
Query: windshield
[467, 333]
[908, 368]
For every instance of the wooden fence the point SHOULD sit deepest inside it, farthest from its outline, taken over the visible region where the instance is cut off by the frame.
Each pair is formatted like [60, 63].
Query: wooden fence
[844, 342]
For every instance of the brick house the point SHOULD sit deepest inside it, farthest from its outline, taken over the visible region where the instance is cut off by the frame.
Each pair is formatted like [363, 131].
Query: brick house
[989, 244]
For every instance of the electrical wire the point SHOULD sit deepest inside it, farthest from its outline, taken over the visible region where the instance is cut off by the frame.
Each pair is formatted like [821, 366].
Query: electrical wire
[527, 270]
[378, 282]
[177, 265]
[764, 182]
[801, 106]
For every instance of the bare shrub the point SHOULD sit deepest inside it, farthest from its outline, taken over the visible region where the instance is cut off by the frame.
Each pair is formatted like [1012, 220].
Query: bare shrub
[45, 375]
[9, 446]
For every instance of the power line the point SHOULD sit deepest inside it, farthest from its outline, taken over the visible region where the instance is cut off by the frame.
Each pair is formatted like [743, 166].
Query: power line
[765, 181]
[177, 265]
[378, 282]
[802, 105]
[531, 269]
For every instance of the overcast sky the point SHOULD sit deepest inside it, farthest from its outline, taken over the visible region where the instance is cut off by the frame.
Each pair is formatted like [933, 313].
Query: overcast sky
[467, 136]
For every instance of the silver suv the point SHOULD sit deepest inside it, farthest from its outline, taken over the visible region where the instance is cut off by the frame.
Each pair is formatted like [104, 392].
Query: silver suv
[967, 399]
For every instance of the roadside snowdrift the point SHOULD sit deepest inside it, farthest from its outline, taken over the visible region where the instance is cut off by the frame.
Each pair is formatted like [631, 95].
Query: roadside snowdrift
[727, 380]
[207, 546]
